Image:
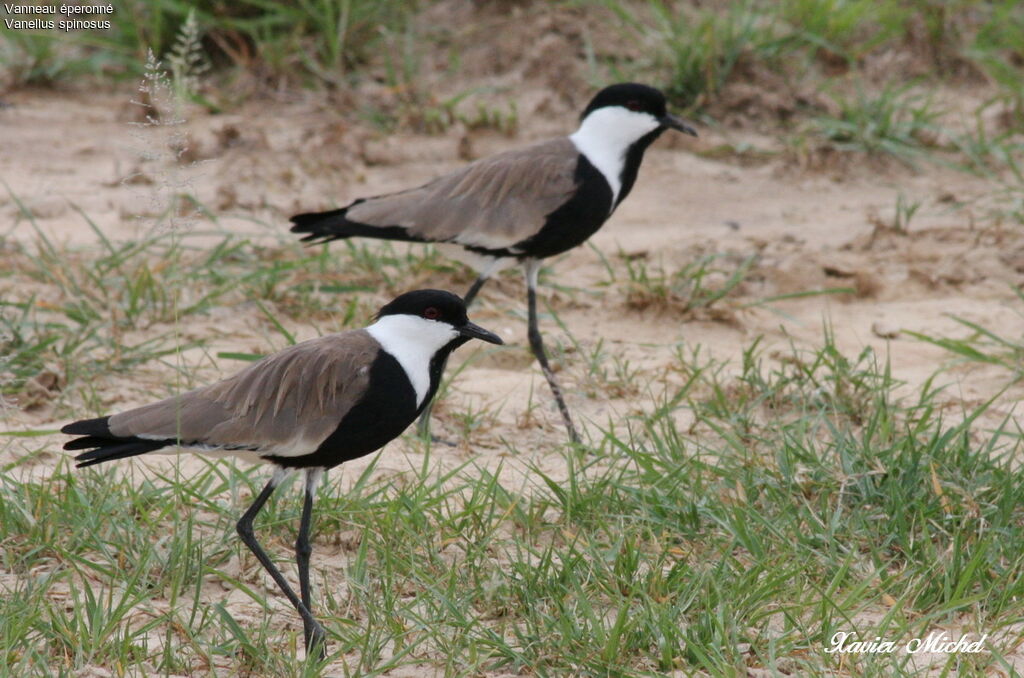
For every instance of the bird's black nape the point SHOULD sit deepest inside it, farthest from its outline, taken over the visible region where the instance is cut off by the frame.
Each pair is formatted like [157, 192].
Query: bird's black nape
[631, 95]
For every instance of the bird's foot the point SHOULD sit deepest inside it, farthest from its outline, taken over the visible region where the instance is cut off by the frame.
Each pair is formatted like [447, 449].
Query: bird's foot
[424, 434]
[316, 640]
[435, 440]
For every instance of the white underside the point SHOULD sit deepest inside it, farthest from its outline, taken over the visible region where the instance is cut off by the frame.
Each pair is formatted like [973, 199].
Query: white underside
[484, 265]
[488, 241]
[413, 341]
[604, 137]
[247, 456]
[295, 447]
[250, 456]
[280, 472]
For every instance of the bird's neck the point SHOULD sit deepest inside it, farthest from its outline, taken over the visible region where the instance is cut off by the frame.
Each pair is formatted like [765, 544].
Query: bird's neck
[436, 370]
[615, 145]
[631, 167]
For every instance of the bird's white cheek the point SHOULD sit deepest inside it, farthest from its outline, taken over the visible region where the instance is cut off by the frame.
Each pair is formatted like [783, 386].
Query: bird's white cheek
[413, 342]
[604, 137]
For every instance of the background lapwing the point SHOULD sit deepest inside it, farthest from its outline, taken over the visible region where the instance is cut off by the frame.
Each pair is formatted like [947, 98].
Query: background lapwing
[311, 406]
[522, 205]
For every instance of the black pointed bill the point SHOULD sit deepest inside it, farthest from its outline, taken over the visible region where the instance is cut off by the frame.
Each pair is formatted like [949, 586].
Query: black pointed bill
[476, 332]
[669, 120]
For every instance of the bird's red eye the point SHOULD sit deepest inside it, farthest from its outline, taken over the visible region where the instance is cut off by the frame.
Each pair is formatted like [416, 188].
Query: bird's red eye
[431, 313]
[633, 105]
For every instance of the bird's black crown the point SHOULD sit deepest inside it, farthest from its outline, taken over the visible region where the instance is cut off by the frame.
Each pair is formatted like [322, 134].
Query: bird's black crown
[431, 304]
[631, 95]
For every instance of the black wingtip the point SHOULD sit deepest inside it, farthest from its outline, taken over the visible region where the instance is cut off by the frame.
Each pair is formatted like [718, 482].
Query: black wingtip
[314, 238]
[102, 445]
[87, 443]
[306, 218]
[320, 226]
[118, 449]
[300, 224]
[89, 427]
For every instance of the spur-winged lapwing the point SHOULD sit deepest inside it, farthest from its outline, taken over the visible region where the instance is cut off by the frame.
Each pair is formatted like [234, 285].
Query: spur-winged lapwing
[523, 205]
[311, 406]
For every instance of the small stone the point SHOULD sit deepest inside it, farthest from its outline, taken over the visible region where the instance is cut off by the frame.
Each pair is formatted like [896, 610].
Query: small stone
[41, 389]
[885, 329]
[46, 207]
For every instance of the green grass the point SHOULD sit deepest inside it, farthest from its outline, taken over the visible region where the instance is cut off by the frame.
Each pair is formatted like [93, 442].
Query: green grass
[751, 509]
[697, 50]
[813, 63]
[896, 122]
[703, 284]
[803, 499]
[745, 513]
[983, 345]
[848, 29]
[317, 41]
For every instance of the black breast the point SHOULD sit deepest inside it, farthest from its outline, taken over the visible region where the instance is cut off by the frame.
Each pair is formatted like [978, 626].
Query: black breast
[576, 220]
[385, 410]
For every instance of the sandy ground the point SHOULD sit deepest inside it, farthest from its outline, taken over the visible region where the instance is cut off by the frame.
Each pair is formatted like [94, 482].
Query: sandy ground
[64, 152]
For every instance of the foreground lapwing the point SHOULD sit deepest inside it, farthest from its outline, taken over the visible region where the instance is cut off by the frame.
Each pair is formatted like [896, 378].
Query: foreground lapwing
[311, 406]
[523, 205]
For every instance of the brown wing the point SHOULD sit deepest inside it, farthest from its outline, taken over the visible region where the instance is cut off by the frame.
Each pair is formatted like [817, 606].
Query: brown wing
[285, 404]
[494, 202]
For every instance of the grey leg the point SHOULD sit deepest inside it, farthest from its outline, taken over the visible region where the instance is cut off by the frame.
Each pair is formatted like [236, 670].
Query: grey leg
[423, 424]
[315, 633]
[532, 268]
[473, 289]
[303, 549]
[483, 276]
